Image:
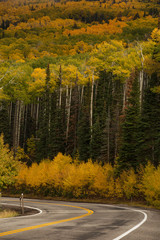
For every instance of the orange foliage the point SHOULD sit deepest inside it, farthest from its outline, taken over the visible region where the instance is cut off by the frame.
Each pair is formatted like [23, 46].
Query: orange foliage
[112, 27]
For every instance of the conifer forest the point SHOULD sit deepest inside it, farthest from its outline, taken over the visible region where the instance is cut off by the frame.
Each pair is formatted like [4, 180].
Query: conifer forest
[80, 98]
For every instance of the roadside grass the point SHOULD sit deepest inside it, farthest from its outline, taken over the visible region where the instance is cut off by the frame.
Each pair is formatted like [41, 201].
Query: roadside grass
[6, 213]
[125, 203]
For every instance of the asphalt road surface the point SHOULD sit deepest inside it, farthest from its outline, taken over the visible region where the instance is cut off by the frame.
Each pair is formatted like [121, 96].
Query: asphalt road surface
[80, 221]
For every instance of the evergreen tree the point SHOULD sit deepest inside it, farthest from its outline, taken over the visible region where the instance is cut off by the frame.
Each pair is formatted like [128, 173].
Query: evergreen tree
[4, 122]
[151, 122]
[71, 147]
[131, 130]
[84, 135]
[96, 141]
[57, 133]
[102, 118]
[84, 131]
[43, 144]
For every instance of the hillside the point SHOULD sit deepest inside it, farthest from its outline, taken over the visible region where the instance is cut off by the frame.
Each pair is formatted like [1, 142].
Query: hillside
[81, 78]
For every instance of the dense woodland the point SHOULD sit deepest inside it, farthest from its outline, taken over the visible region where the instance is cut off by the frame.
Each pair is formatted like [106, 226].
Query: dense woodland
[81, 78]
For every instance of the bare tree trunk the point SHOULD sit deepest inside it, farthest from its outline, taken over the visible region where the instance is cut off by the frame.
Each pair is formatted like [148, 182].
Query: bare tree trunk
[17, 125]
[68, 111]
[141, 80]
[124, 96]
[60, 97]
[116, 132]
[10, 113]
[19, 122]
[82, 93]
[25, 124]
[49, 117]
[37, 114]
[108, 137]
[60, 87]
[91, 104]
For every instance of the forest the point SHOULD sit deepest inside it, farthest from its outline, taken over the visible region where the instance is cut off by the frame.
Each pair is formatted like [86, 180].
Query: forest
[80, 90]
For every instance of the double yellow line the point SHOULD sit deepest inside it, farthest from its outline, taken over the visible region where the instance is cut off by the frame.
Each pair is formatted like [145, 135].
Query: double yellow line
[89, 212]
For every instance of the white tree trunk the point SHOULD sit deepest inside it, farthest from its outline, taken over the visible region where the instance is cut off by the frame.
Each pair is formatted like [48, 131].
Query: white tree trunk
[141, 79]
[141, 82]
[37, 113]
[25, 123]
[108, 137]
[60, 97]
[17, 124]
[91, 104]
[10, 113]
[68, 111]
[82, 93]
[124, 96]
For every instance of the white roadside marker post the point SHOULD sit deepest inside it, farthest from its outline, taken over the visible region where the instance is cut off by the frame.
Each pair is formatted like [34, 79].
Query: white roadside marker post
[22, 203]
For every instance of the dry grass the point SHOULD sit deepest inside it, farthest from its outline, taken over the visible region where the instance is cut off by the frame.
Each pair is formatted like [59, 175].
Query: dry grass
[8, 213]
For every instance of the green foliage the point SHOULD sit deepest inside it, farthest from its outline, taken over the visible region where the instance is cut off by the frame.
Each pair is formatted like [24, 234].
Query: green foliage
[96, 140]
[44, 131]
[131, 131]
[9, 166]
[151, 120]
[66, 74]
[5, 127]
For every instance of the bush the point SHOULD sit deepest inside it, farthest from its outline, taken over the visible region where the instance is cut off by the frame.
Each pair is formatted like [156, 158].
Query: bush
[9, 166]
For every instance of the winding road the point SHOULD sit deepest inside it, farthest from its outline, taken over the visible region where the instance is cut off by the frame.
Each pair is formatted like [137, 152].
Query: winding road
[80, 221]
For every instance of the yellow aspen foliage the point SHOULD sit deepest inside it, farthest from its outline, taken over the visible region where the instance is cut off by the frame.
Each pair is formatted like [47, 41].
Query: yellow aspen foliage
[32, 176]
[21, 155]
[151, 184]
[118, 188]
[22, 176]
[62, 160]
[82, 47]
[42, 173]
[9, 166]
[81, 180]
[58, 169]
[64, 177]
[156, 35]
[72, 184]
[104, 180]
[38, 84]
[71, 75]
[112, 27]
[3, 96]
[129, 183]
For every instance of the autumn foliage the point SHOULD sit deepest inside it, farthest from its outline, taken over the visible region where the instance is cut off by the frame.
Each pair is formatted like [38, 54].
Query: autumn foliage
[70, 178]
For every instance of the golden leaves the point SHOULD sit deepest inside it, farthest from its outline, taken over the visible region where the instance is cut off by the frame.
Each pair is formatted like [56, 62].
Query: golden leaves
[113, 27]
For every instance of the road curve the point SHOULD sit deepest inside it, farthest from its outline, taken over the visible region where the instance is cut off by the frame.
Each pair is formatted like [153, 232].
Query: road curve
[80, 221]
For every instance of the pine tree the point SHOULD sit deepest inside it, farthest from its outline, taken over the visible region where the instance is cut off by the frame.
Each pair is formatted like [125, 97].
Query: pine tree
[102, 118]
[71, 145]
[43, 144]
[131, 130]
[96, 141]
[84, 131]
[151, 122]
[5, 127]
[57, 133]
[84, 135]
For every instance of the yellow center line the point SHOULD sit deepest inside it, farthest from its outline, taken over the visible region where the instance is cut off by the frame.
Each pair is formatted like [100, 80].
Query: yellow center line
[89, 212]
